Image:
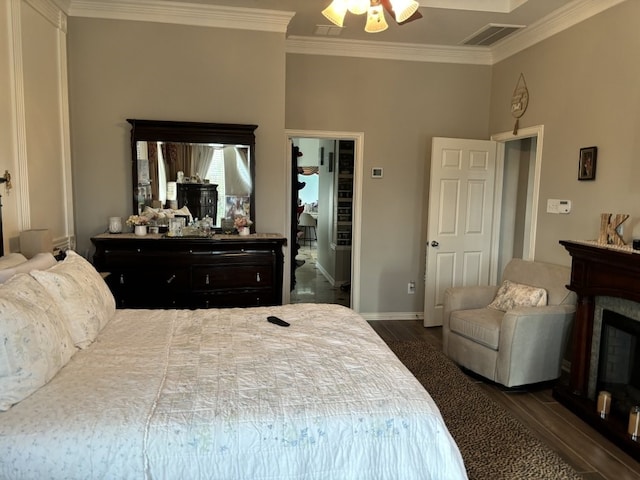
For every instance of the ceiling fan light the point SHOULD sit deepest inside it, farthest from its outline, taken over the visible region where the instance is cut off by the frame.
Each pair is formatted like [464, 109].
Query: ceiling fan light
[358, 7]
[375, 20]
[403, 9]
[336, 12]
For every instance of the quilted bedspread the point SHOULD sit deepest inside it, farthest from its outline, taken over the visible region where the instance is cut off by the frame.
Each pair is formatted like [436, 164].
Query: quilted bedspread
[223, 394]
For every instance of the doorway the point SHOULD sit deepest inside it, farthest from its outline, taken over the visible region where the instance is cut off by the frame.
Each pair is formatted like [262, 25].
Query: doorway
[327, 269]
[515, 184]
[518, 167]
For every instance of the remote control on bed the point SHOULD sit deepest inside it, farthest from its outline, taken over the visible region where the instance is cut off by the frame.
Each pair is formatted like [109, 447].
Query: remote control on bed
[278, 321]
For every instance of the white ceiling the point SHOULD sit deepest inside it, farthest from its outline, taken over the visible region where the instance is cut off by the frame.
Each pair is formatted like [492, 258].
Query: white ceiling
[438, 36]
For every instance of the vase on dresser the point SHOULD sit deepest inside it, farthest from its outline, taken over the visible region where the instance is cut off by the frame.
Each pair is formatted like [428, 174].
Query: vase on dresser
[115, 224]
[140, 230]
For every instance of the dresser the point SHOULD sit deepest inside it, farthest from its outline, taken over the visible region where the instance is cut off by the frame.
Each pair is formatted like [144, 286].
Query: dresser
[154, 271]
[200, 198]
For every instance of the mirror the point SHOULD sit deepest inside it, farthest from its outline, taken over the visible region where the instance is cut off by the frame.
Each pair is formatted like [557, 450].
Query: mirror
[209, 168]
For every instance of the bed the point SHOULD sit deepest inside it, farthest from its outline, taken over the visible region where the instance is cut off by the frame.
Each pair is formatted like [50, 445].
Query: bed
[212, 393]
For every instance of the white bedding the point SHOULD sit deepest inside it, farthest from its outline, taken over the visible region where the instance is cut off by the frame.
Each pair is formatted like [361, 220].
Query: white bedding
[223, 394]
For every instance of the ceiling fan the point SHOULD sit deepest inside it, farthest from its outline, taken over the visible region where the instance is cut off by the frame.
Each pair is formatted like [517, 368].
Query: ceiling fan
[402, 11]
[388, 6]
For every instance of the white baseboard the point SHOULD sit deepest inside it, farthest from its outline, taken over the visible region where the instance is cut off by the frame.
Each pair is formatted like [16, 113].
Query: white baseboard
[326, 275]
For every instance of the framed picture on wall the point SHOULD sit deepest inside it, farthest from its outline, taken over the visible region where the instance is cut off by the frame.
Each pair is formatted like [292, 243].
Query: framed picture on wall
[587, 163]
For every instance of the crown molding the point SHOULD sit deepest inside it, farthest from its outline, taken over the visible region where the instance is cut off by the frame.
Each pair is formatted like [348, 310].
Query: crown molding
[388, 50]
[51, 12]
[500, 6]
[563, 18]
[184, 14]
[277, 21]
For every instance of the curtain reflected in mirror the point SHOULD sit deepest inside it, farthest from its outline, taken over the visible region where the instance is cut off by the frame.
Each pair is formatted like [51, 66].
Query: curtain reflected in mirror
[161, 166]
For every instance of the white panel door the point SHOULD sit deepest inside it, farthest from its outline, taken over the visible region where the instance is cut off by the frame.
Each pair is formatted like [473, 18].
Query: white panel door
[460, 218]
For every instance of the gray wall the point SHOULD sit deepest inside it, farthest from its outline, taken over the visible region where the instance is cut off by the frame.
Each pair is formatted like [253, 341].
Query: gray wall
[399, 106]
[583, 87]
[127, 69]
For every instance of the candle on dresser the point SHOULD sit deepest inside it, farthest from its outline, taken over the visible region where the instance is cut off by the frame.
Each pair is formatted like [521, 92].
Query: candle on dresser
[634, 423]
[604, 403]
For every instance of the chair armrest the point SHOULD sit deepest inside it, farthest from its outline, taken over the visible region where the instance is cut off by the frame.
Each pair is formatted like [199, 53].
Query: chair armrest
[532, 342]
[529, 325]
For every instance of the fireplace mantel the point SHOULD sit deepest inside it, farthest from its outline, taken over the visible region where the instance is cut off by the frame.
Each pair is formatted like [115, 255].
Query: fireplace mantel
[596, 270]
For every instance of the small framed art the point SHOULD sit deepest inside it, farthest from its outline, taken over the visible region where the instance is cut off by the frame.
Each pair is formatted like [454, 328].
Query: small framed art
[587, 163]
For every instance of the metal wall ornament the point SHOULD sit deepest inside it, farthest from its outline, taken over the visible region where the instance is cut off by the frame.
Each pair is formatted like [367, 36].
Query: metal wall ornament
[519, 101]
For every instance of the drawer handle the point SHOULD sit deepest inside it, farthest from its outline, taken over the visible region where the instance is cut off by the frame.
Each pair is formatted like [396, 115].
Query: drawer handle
[206, 279]
[258, 277]
[122, 279]
[171, 278]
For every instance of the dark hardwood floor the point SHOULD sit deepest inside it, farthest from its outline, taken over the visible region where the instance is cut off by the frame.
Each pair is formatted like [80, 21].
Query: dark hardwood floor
[582, 447]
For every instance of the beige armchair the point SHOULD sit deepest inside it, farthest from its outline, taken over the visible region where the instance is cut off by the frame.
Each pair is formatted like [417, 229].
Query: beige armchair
[518, 346]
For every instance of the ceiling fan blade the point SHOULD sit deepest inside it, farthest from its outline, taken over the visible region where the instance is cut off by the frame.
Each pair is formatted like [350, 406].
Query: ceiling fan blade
[389, 8]
[413, 17]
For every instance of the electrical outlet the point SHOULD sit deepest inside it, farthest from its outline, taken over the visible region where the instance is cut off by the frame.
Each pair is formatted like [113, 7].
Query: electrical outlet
[411, 288]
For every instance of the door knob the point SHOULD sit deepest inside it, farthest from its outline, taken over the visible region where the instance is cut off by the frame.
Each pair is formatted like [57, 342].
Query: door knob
[435, 244]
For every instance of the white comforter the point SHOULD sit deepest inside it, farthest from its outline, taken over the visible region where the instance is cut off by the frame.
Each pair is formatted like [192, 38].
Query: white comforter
[223, 394]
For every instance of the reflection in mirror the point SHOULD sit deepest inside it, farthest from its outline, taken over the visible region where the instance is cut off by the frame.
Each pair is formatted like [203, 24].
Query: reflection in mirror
[206, 168]
[207, 178]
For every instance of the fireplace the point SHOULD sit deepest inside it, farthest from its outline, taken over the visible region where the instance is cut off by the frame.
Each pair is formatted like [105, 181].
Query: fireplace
[605, 346]
[617, 367]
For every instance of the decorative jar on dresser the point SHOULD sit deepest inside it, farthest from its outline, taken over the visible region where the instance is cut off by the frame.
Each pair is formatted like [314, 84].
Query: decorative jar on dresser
[219, 271]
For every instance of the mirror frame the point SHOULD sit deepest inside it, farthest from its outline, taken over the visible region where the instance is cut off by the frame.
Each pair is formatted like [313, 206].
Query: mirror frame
[193, 132]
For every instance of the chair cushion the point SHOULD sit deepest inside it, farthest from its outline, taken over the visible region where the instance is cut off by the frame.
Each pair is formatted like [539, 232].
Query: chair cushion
[511, 295]
[481, 325]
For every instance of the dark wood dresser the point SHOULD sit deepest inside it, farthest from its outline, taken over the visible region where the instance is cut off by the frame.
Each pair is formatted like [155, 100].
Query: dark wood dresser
[154, 271]
[200, 198]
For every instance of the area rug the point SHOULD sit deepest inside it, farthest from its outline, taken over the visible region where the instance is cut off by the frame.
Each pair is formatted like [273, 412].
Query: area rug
[494, 444]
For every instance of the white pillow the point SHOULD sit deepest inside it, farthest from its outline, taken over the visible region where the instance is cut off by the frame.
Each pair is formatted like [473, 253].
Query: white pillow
[11, 260]
[83, 296]
[511, 295]
[40, 261]
[34, 341]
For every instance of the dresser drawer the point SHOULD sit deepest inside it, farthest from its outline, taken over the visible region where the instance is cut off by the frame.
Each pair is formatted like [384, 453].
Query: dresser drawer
[240, 276]
[237, 299]
[154, 280]
[158, 272]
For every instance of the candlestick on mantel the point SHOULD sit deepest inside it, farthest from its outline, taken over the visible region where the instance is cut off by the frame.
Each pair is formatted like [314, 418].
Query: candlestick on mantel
[634, 423]
[604, 403]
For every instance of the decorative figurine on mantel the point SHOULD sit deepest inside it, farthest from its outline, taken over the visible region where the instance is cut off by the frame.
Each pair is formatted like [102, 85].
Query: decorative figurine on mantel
[609, 224]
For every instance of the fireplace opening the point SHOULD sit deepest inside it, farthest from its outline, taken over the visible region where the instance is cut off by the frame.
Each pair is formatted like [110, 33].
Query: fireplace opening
[618, 367]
